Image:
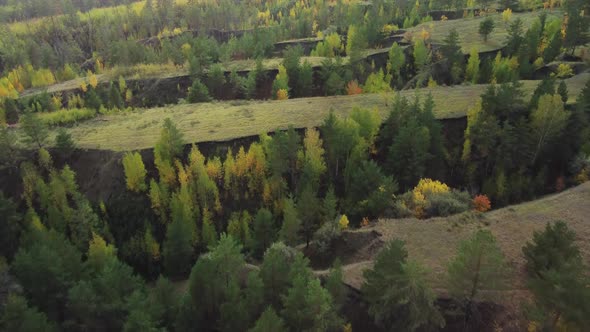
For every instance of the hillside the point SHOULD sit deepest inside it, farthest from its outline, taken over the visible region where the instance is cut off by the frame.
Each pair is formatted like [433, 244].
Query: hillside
[222, 121]
[434, 241]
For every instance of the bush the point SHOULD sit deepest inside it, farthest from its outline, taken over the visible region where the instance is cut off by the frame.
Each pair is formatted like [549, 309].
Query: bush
[198, 92]
[282, 94]
[67, 117]
[564, 71]
[431, 198]
[482, 203]
[446, 204]
[353, 88]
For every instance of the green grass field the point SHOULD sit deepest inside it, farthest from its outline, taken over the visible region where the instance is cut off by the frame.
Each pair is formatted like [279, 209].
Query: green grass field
[468, 27]
[221, 121]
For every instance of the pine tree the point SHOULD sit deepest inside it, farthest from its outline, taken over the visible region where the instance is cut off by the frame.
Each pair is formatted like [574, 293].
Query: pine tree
[269, 321]
[198, 92]
[263, 231]
[486, 27]
[10, 227]
[291, 62]
[289, 232]
[558, 277]
[19, 317]
[309, 306]
[451, 49]
[335, 285]
[515, 37]
[305, 82]
[115, 99]
[64, 142]
[562, 91]
[35, 130]
[399, 297]
[478, 265]
[178, 248]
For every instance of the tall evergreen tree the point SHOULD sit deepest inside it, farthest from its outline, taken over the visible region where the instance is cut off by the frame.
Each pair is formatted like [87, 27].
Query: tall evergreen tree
[558, 277]
[479, 265]
[399, 297]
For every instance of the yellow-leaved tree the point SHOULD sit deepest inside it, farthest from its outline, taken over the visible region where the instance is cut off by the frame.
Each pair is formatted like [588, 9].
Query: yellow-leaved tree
[343, 222]
[134, 172]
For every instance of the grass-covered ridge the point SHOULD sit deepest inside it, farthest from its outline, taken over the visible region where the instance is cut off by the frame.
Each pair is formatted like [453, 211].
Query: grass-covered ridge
[221, 121]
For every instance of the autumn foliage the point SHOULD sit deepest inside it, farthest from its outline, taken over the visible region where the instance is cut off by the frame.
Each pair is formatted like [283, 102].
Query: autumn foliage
[353, 88]
[482, 203]
[282, 94]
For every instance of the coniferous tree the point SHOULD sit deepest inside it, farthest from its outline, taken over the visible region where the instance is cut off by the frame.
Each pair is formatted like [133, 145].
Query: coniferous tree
[263, 231]
[64, 142]
[558, 277]
[178, 248]
[486, 27]
[274, 272]
[515, 36]
[334, 284]
[10, 227]
[47, 265]
[35, 130]
[19, 317]
[289, 232]
[478, 265]
[198, 92]
[269, 321]
[399, 297]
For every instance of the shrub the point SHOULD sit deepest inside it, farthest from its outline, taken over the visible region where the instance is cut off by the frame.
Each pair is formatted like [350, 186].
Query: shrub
[446, 204]
[429, 186]
[353, 88]
[431, 198]
[282, 94]
[564, 71]
[343, 222]
[482, 203]
[67, 117]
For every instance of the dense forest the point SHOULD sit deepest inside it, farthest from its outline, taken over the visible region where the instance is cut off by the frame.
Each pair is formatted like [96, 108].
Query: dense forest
[247, 235]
